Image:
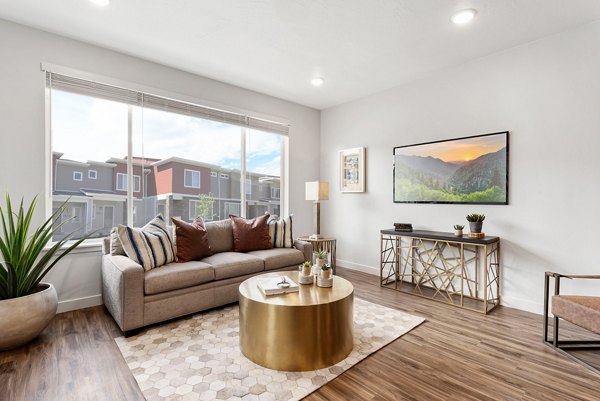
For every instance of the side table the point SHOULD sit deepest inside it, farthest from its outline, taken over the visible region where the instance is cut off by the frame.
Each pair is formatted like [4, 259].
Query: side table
[323, 244]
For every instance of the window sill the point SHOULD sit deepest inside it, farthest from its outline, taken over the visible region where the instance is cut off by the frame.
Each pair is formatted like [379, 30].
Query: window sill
[89, 246]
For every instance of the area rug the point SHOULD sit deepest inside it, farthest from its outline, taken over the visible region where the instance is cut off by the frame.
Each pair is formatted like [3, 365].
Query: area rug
[199, 358]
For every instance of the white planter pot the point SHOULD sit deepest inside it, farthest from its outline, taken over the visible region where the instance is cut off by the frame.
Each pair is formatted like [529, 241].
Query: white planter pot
[24, 318]
[306, 270]
[458, 233]
[326, 274]
[320, 262]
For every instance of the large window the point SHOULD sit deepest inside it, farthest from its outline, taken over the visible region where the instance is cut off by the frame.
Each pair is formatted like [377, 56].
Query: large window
[184, 160]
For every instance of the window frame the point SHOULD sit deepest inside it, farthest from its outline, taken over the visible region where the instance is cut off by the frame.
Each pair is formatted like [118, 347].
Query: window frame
[80, 176]
[123, 84]
[139, 181]
[187, 170]
[227, 205]
[224, 176]
[95, 177]
[278, 193]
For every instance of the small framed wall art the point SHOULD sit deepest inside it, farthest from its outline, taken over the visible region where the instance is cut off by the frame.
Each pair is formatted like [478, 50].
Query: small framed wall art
[352, 170]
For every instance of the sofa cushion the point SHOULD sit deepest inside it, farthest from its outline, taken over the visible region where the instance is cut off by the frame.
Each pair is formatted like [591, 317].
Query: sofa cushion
[220, 235]
[150, 246]
[233, 264]
[250, 234]
[280, 231]
[177, 275]
[580, 310]
[277, 258]
[192, 240]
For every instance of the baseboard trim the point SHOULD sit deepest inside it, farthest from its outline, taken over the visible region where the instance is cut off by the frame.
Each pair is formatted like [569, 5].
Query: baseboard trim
[346, 264]
[523, 304]
[79, 303]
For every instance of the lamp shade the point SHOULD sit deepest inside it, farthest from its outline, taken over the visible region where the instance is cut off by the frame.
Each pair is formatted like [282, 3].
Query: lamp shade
[317, 190]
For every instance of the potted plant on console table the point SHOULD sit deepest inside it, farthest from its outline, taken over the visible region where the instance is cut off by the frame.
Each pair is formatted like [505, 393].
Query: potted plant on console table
[475, 222]
[26, 304]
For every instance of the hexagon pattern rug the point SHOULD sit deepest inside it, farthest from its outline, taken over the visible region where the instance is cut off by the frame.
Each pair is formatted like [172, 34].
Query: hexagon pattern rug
[199, 358]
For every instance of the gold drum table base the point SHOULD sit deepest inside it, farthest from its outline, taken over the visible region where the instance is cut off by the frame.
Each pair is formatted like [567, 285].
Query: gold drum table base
[308, 330]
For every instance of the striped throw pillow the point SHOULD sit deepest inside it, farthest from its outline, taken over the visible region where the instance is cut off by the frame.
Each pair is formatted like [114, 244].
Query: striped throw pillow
[280, 230]
[150, 246]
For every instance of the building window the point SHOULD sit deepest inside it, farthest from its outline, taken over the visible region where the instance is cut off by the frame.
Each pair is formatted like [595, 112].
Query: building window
[213, 174]
[92, 174]
[191, 178]
[275, 193]
[224, 176]
[194, 204]
[232, 208]
[122, 182]
[77, 176]
[248, 186]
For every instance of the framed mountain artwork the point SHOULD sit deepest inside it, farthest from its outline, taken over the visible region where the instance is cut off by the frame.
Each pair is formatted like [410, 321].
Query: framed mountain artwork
[469, 170]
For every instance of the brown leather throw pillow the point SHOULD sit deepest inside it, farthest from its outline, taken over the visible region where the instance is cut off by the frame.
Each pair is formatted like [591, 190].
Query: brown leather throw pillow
[250, 235]
[191, 240]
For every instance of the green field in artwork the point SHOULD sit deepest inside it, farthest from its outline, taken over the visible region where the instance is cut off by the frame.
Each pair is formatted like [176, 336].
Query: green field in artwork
[471, 170]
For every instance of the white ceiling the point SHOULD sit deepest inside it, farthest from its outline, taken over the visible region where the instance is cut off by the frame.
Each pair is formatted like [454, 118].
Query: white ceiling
[275, 47]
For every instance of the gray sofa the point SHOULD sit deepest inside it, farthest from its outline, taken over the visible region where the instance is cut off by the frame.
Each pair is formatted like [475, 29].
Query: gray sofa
[136, 298]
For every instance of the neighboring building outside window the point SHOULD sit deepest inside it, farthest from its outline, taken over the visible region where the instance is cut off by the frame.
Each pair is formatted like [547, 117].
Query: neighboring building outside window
[191, 179]
[224, 176]
[213, 174]
[232, 208]
[194, 208]
[92, 174]
[275, 193]
[77, 176]
[248, 186]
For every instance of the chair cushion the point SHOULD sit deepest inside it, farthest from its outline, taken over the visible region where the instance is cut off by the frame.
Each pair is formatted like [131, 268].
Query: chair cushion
[579, 310]
[250, 235]
[277, 258]
[192, 240]
[220, 235]
[233, 264]
[175, 276]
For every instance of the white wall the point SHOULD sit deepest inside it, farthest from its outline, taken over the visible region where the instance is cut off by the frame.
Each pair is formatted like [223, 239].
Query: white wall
[22, 149]
[547, 94]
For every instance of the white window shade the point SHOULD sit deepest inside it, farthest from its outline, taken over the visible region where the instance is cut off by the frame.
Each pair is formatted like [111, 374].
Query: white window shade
[110, 92]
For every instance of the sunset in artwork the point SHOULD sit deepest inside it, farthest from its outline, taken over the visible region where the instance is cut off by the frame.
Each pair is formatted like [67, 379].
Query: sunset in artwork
[457, 151]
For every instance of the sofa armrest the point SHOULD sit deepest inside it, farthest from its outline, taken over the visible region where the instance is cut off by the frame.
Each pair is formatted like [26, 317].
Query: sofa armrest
[305, 247]
[123, 290]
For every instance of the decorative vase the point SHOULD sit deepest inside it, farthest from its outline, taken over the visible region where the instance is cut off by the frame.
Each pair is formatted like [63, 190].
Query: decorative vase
[24, 318]
[475, 226]
[326, 274]
[458, 233]
[306, 270]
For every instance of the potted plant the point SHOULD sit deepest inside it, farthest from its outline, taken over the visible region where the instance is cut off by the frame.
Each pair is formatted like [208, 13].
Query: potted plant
[26, 304]
[475, 222]
[306, 268]
[458, 230]
[320, 258]
[326, 271]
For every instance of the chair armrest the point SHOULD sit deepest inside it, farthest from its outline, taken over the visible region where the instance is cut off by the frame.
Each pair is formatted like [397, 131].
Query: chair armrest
[305, 247]
[123, 290]
[571, 276]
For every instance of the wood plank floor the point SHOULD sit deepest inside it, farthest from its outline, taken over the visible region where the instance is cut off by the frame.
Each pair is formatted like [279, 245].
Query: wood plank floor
[454, 355]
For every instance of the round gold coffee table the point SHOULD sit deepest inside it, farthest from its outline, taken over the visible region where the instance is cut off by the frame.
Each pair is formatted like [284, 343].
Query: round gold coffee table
[306, 330]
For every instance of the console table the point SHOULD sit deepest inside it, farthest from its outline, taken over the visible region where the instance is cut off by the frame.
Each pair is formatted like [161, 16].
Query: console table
[460, 271]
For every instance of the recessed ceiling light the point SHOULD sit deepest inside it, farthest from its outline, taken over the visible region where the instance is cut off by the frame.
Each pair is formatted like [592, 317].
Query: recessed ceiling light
[317, 81]
[100, 3]
[463, 16]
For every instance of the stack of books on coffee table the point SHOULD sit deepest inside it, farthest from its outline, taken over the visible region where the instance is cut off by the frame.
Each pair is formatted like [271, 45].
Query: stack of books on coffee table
[277, 285]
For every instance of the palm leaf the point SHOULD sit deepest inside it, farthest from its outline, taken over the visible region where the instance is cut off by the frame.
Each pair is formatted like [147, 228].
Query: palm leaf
[27, 260]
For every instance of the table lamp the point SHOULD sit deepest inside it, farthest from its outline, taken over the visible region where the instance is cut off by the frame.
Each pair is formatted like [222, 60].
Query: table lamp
[317, 191]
